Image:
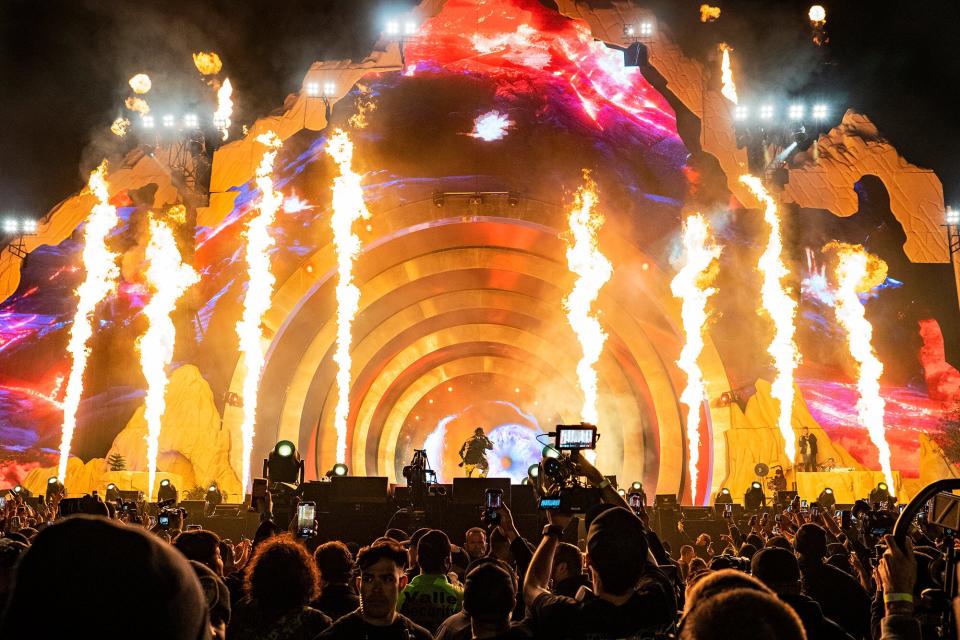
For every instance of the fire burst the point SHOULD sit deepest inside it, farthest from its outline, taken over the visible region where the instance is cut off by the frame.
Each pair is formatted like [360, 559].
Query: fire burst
[782, 310]
[348, 207]
[729, 88]
[259, 291]
[140, 83]
[692, 286]
[708, 13]
[170, 279]
[208, 64]
[858, 271]
[593, 271]
[221, 117]
[101, 279]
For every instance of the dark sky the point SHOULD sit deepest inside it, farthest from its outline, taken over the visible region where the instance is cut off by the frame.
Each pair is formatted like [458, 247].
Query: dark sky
[64, 66]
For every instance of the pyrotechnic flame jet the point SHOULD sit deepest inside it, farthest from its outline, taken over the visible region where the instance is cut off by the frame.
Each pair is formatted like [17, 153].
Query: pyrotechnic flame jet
[858, 271]
[692, 286]
[729, 88]
[100, 280]
[221, 116]
[169, 278]
[348, 207]
[260, 281]
[782, 310]
[593, 270]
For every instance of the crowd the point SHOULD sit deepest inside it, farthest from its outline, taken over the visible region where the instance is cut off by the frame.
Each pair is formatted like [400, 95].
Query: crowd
[106, 572]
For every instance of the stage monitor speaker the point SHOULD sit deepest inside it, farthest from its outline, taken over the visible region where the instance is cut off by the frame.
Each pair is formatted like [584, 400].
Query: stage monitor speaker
[523, 500]
[131, 496]
[784, 497]
[471, 490]
[697, 513]
[194, 509]
[356, 489]
[665, 501]
[315, 491]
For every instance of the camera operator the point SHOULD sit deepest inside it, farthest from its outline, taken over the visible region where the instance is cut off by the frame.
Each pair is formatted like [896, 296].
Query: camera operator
[897, 571]
[628, 599]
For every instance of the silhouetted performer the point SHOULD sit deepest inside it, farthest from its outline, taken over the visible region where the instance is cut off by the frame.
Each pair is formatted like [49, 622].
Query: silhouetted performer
[473, 454]
[808, 451]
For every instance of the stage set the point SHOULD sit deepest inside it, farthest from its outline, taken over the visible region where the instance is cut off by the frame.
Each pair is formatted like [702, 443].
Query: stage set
[539, 217]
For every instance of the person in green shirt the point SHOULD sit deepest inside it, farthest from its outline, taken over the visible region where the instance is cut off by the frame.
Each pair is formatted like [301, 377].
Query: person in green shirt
[430, 598]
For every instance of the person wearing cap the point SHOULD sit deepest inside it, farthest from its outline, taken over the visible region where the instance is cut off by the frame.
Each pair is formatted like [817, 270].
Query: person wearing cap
[473, 454]
[430, 599]
[152, 591]
[779, 570]
[624, 601]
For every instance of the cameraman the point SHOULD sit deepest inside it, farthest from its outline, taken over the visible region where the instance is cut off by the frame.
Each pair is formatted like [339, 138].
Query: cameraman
[628, 598]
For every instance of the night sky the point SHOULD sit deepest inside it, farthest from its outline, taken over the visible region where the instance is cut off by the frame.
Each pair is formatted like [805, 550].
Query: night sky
[64, 66]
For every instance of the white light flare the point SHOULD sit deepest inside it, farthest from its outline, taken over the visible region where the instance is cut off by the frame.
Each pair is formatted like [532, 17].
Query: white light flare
[102, 274]
[491, 126]
[169, 279]
[857, 271]
[348, 207]
[692, 285]
[782, 310]
[593, 270]
[259, 292]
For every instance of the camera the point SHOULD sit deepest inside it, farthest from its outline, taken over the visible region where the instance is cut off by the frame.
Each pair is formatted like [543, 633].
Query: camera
[571, 495]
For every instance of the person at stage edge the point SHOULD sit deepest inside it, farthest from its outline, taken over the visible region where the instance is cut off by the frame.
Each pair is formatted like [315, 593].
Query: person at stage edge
[473, 454]
[808, 451]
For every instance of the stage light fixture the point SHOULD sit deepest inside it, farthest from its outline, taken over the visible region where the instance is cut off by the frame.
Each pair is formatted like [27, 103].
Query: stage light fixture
[10, 225]
[168, 120]
[549, 451]
[741, 113]
[214, 496]
[284, 464]
[766, 112]
[629, 31]
[393, 27]
[753, 498]
[826, 499]
[339, 470]
[723, 497]
[952, 216]
[636, 486]
[409, 28]
[646, 29]
[329, 89]
[819, 112]
[147, 122]
[113, 493]
[881, 493]
[796, 112]
[54, 486]
[533, 471]
[190, 121]
[28, 227]
[622, 492]
[219, 122]
[313, 89]
[167, 491]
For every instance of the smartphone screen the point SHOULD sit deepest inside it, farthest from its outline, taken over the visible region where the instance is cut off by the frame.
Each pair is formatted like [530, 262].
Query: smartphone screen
[194, 527]
[494, 498]
[164, 521]
[549, 503]
[306, 513]
[803, 504]
[815, 511]
[636, 501]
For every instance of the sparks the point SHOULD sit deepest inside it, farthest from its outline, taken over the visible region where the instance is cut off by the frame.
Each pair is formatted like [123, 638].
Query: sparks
[729, 88]
[782, 310]
[491, 126]
[708, 13]
[101, 278]
[593, 270]
[692, 286]
[858, 271]
[348, 207]
[208, 64]
[221, 117]
[260, 281]
[140, 83]
[169, 278]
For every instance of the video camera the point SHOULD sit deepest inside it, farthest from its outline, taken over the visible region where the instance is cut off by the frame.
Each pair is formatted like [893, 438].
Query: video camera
[570, 494]
[168, 515]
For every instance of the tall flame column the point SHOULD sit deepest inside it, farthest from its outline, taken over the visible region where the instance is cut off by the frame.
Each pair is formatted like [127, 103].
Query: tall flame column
[169, 278]
[259, 291]
[692, 286]
[782, 310]
[593, 271]
[100, 280]
[348, 207]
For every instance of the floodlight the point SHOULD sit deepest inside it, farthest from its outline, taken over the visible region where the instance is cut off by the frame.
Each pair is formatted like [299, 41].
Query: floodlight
[339, 470]
[54, 486]
[636, 486]
[953, 216]
[167, 491]
[819, 111]
[10, 225]
[629, 30]
[826, 499]
[284, 464]
[393, 27]
[622, 492]
[646, 29]
[214, 495]
[28, 226]
[168, 120]
[409, 28]
[753, 498]
[329, 89]
[313, 89]
[766, 112]
[113, 493]
[724, 497]
[533, 471]
[796, 112]
[147, 122]
[741, 113]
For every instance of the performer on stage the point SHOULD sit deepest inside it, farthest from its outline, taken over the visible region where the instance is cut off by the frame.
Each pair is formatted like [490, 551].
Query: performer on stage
[808, 450]
[473, 454]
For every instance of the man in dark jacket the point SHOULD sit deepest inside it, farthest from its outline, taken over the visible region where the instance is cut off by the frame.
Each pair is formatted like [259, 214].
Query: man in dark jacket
[779, 570]
[337, 595]
[473, 454]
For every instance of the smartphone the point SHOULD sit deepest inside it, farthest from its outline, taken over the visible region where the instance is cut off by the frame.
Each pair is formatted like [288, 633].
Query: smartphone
[814, 511]
[837, 513]
[494, 498]
[306, 513]
[3, 502]
[258, 494]
[902, 507]
[194, 527]
[776, 518]
[164, 521]
[845, 519]
[548, 503]
[790, 509]
[803, 504]
[728, 511]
